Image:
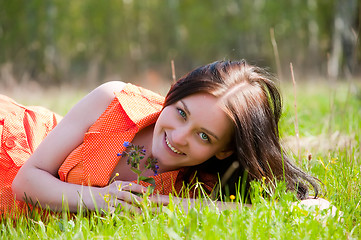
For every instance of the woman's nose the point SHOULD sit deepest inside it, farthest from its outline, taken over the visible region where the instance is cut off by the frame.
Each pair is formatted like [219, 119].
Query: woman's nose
[180, 136]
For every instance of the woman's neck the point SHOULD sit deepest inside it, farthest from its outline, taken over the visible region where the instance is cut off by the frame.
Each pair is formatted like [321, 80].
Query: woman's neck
[142, 138]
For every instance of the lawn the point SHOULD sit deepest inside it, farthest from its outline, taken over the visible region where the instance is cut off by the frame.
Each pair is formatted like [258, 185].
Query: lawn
[328, 147]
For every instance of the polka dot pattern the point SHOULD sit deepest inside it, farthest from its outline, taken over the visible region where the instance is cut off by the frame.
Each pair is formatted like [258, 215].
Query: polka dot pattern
[21, 131]
[93, 162]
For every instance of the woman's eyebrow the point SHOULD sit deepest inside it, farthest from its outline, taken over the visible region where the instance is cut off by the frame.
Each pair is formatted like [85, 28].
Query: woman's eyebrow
[203, 129]
[210, 133]
[185, 107]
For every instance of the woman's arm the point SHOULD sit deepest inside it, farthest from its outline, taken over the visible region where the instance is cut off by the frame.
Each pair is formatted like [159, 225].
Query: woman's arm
[188, 203]
[37, 179]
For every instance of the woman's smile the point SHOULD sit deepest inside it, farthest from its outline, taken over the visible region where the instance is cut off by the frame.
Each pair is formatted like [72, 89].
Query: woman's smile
[171, 146]
[188, 132]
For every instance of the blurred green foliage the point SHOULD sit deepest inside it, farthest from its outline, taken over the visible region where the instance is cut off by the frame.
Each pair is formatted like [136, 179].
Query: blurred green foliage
[55, 41]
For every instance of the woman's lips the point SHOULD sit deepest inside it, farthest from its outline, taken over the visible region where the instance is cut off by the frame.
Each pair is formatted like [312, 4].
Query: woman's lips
[173, 149]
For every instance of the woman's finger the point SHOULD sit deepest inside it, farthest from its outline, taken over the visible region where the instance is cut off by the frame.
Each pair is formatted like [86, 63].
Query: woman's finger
[124, 206]
[129, 186]
[128, 197]
[116, 192]
[163, 199]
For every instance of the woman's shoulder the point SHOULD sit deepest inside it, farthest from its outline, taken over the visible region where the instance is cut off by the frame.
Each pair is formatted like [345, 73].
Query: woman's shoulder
[138, 95]
[108, 89]
[89, 108]
[135, 101]
[103, 95]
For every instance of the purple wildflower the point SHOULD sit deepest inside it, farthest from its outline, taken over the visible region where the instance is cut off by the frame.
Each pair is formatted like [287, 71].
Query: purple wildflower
[134, 155]
[155, 169]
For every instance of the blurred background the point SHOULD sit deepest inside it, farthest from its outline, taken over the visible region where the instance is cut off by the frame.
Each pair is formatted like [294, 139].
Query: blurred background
[78, 43]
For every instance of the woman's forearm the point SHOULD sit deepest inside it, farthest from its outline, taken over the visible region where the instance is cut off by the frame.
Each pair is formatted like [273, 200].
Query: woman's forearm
[36, 185]
[50, 192]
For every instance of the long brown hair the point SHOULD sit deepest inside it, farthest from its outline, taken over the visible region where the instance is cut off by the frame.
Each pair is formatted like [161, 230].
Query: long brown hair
[250, 98]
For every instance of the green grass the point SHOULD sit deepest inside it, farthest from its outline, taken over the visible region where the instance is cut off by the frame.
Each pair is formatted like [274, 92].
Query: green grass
[329, 120]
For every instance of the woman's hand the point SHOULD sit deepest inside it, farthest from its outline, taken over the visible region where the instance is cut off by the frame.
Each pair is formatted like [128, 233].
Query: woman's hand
[164, 200]
[188, 203]
[316, 202]
[121, 194]
[320, 203]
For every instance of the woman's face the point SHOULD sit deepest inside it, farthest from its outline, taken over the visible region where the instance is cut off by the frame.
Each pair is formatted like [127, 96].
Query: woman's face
[191, 131]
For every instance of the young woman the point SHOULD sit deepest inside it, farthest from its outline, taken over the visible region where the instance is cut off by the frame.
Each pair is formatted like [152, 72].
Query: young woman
[220, 120]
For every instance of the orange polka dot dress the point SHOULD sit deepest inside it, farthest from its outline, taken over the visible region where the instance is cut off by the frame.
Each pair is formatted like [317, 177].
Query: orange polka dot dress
[92, 163]
[21, 131]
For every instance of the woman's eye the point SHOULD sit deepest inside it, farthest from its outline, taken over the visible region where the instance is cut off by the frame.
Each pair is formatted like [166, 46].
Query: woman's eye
[182, 113]
[204, 136]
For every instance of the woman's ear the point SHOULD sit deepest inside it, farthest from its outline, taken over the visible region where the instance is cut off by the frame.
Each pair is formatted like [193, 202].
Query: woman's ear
[224, 154]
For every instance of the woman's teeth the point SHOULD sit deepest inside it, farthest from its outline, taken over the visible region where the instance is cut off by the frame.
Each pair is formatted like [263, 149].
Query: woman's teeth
[171, 147]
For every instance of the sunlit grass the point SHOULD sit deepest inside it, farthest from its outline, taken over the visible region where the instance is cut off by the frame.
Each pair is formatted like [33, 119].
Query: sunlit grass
[323, 110]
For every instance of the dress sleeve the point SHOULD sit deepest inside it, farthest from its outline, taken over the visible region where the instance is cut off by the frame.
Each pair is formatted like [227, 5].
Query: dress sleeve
[24, 128]
[93, 162]
[141, 105]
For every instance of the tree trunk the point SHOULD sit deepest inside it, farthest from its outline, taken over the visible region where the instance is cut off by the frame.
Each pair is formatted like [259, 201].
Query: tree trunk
[343, 39]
